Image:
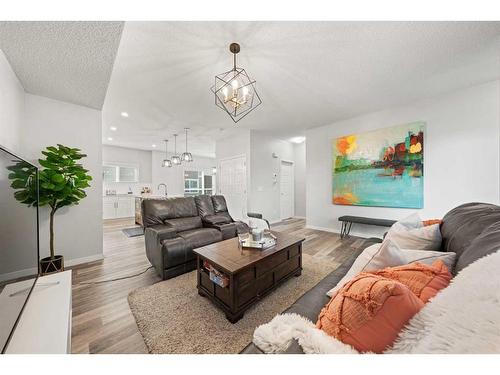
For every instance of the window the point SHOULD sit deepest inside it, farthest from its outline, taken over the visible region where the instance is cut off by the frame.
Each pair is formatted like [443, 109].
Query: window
[197, 183]
[120, 173]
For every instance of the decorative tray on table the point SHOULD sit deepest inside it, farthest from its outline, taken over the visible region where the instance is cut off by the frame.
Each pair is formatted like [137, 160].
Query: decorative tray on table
[268, 240]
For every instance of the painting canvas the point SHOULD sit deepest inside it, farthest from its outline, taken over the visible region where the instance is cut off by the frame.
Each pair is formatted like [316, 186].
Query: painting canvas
[381, 168]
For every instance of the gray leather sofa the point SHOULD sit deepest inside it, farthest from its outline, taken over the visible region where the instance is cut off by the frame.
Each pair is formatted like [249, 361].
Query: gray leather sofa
[174, 227]
[471, 230]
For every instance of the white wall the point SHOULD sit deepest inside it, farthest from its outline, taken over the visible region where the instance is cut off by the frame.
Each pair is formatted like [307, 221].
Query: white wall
[264, 190]
[78, 229]
[11, 106]
[461, 156]
[140, 158]
[299, 151]
[174, 177]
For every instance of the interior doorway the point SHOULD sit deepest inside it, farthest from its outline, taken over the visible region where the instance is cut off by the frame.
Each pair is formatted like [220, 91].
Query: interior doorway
[287, 180]
[233, 184]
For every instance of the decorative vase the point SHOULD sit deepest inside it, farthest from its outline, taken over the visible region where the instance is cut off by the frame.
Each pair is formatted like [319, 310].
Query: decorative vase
[51, 265]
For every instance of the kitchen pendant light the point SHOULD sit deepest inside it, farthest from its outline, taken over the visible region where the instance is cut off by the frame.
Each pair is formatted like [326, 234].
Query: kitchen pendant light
[176, 160]
[166, 162]
[187, 156]
[235, 92]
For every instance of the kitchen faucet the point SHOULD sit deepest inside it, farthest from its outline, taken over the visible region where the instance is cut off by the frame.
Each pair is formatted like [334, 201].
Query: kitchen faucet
[164, 185]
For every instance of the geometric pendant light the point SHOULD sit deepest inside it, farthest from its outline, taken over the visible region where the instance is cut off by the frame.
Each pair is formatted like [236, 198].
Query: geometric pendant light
[166, 162]
[235, 92]
[176, 159]
[187, 156]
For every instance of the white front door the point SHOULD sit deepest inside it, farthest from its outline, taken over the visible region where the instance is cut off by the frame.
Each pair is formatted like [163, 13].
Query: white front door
[233, 185]
[286, 190]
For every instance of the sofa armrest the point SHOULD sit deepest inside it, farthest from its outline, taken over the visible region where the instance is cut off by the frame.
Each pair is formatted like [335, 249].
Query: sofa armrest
[154, 236]
[160, 232]
[215, 220]
[228, 230]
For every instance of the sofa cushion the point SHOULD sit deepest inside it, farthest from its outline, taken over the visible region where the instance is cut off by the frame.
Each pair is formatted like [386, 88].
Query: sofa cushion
[201, 237]
[219, 203]
[216, 219]
[488, 242]
[155, 211]
[185, 223]
[472, 231]
[184, 207]
[204, 205]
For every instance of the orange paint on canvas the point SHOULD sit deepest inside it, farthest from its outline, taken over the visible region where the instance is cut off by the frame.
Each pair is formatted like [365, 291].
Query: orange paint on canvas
[346, 145]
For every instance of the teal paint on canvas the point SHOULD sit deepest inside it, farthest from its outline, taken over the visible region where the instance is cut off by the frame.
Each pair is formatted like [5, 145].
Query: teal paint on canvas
[381, 168]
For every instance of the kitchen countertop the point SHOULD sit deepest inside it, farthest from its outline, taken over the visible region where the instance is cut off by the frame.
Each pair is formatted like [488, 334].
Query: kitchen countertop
[143, 196]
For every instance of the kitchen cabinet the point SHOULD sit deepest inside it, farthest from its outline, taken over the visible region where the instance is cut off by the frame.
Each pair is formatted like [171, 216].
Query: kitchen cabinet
[116, 207]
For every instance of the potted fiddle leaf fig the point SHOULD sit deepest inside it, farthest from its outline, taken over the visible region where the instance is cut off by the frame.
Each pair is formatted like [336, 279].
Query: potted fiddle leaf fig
[62, 181]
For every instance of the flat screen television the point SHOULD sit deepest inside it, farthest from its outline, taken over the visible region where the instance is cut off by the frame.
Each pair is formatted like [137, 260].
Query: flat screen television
[18, 241]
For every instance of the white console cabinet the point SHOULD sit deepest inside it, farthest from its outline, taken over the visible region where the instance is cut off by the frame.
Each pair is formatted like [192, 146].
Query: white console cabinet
[45, 324]
[115, 207]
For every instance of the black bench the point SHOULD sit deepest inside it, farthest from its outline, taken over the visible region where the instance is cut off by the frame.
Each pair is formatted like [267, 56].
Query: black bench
[347, 222]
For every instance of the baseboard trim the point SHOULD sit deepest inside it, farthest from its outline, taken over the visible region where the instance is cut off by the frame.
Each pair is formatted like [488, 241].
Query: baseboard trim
[18, 274]
[299, 217]
[77, 261]
[34, 271]
[331, 230]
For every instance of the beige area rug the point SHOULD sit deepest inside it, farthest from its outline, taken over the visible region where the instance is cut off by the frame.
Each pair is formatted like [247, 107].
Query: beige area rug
[173, 318]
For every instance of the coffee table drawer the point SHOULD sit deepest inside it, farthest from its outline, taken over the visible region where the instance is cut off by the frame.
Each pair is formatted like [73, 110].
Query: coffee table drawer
[246, 276]
[254, 289]
[293, 251]
[286, 268]
[271, 262]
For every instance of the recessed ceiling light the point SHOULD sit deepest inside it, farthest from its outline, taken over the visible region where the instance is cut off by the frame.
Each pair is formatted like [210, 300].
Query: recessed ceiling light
[124, 114]
[297, 139]
[110, 138]
[113, 128]
[153, 146]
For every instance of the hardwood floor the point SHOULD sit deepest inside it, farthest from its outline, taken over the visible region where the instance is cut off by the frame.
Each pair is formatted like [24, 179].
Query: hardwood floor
[102, 320]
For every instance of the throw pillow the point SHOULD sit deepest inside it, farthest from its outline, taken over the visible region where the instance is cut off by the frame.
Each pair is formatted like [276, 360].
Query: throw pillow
[374, 257]
[423, 280]
[429, 257]
[368, 312]
[411, 221]
[426, 223]
[425, 238]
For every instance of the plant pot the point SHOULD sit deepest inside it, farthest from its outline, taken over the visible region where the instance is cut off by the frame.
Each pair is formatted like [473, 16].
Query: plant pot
[50, 265]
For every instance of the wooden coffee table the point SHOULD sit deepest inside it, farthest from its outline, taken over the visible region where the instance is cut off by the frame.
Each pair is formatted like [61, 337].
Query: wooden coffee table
[252, 273]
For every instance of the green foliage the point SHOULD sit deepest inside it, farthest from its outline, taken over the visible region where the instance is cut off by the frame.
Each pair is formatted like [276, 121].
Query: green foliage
[61, 180]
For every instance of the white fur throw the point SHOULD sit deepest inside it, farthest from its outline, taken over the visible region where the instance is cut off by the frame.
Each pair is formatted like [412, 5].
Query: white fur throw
[462, 318]
[277, 335]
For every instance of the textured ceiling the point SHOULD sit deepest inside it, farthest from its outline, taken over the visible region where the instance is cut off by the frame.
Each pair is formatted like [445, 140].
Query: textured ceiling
[69, 61]
[308, 73]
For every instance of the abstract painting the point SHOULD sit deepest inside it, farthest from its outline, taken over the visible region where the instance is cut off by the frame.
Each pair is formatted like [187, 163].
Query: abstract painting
[381, 168]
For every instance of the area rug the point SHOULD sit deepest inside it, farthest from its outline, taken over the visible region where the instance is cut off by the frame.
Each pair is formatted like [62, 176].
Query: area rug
[133, 232]
[173, 318]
